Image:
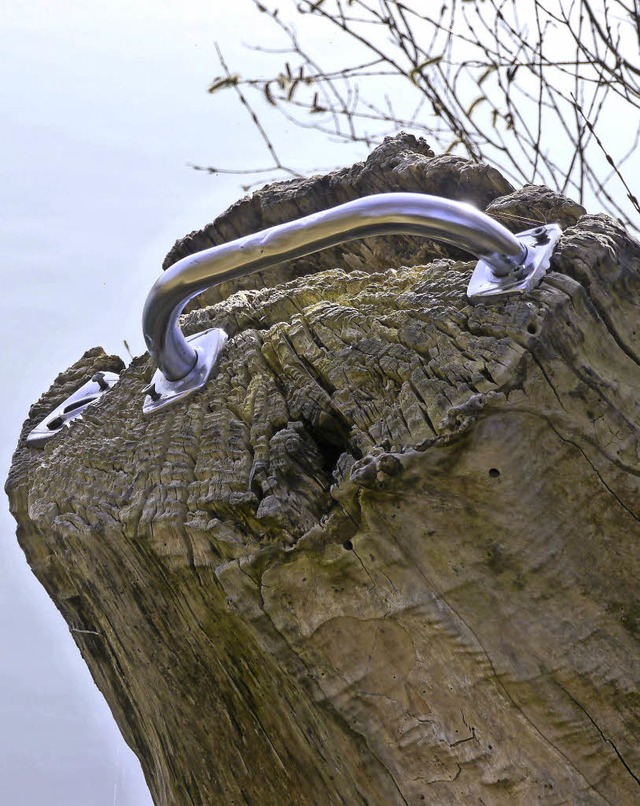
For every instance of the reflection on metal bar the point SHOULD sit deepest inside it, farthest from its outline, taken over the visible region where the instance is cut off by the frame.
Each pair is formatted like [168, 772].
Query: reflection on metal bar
[184, 365]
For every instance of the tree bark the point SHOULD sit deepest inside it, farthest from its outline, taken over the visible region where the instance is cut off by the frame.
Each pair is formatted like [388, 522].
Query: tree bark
[390, 554]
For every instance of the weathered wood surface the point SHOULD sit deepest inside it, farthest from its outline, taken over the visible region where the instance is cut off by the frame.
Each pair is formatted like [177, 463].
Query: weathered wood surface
[390, 555]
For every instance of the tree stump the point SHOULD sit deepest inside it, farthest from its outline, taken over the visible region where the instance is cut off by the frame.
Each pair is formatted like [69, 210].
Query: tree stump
[390, 555]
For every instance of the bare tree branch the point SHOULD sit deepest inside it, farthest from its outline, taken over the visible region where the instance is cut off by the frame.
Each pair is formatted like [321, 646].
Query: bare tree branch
[526, 93]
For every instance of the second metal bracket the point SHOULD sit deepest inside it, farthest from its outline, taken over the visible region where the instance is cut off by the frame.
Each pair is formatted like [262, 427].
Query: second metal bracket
[71, 408]
[162, 392]
[539, 242]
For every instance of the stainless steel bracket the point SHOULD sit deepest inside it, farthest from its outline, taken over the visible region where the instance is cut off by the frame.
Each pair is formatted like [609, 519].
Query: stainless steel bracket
[485, 284]
[71, 408]
[508, 264]
[162, 392]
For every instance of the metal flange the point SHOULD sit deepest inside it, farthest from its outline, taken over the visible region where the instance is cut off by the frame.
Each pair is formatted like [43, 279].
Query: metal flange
[162, 392]
[72, 408]
[539, 242]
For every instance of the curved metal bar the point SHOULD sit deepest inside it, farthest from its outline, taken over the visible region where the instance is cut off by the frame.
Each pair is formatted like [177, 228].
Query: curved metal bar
[389, 213]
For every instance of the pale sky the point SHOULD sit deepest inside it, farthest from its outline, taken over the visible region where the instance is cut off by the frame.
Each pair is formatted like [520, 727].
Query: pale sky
[102, 108]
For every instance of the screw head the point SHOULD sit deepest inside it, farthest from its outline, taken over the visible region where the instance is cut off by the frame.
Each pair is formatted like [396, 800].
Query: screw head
[99, 379]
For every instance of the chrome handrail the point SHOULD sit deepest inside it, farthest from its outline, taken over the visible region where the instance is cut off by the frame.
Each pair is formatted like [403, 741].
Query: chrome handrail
[185, 364]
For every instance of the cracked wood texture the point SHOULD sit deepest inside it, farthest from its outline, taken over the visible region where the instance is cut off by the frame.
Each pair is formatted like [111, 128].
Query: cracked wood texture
[390, 554]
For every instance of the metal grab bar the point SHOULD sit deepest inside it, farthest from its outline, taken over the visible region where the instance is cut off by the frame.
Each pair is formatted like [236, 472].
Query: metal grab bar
[507, 263]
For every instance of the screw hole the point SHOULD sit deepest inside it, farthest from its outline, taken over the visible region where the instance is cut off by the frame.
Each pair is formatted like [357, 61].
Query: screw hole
[494, 472]
[152, 392]
[83, 401]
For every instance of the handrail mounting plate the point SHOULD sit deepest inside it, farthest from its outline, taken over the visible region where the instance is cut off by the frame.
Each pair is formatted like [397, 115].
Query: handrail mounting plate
[162, 392]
